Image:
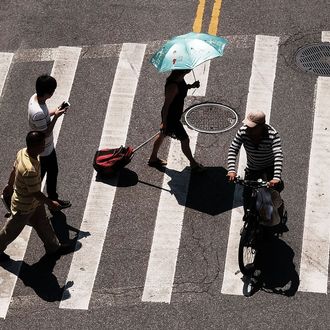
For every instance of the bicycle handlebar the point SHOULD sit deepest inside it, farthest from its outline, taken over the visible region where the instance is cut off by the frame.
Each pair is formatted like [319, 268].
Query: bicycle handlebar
[252, 183]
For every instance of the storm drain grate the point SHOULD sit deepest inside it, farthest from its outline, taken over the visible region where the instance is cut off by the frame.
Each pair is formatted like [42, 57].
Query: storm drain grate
[314, 58]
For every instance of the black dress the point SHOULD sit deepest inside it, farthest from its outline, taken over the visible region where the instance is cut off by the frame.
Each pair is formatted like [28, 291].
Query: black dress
[174, 127]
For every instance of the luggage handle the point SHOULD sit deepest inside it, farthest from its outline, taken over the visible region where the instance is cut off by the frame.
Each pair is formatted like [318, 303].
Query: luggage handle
[145, 142]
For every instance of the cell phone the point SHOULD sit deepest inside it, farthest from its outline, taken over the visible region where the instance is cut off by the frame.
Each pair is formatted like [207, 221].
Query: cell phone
[64, 105]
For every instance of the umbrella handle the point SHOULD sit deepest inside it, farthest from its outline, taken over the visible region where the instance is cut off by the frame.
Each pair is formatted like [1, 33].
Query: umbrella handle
[195, 80]
[193, 74]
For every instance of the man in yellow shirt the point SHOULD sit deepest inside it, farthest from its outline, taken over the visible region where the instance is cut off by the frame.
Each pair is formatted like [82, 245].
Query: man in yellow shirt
[27, 202]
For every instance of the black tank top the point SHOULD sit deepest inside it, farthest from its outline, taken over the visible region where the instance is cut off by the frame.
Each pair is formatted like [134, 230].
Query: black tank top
[176, 108]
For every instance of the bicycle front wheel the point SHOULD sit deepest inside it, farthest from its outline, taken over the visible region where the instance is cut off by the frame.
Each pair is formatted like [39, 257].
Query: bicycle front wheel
[247, 251]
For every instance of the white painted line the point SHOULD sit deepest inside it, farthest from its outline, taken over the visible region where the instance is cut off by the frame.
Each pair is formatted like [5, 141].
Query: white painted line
[201, 73]
[259, 98]
[167, 234]
[316, 238]
[5, 62]
[16, 250]
[97, 213]
[111, 50]
[35, 55]
[64, 70]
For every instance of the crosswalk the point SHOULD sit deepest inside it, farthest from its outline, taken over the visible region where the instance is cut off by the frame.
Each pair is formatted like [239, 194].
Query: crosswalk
[122, 124]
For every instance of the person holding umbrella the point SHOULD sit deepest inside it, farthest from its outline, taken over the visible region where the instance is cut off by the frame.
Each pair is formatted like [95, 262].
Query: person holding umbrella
[175, 92]
[180, 55]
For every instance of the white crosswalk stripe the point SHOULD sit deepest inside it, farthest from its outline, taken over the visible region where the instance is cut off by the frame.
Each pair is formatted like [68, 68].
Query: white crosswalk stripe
[64, 68]
[316, 239]
[5, 62]
[259, 98]
[100, 198]
[165, 246]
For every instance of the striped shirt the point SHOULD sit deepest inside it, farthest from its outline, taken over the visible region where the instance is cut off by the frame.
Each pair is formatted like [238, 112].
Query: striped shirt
[27, 182]
[39, 119]
[268, 153]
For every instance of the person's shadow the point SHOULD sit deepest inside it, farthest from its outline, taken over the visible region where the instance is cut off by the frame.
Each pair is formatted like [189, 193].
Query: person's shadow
[62, 228]
[39, 277]
[208, 192]
[277, 270]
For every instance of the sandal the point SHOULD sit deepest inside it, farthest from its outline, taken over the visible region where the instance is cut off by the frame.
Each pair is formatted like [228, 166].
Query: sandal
[157, 163]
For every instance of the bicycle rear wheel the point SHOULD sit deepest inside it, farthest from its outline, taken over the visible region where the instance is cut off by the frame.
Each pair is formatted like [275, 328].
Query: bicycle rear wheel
[247, 250]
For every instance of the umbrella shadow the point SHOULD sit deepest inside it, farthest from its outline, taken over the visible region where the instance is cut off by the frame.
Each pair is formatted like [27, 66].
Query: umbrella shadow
[277, 270]
[208, 192]
[39, 277]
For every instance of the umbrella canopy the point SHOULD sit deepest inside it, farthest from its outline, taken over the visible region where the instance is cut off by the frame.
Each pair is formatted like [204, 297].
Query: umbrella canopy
[188, 51]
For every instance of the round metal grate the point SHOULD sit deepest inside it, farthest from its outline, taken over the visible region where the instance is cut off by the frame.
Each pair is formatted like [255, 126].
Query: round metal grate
[314, 58]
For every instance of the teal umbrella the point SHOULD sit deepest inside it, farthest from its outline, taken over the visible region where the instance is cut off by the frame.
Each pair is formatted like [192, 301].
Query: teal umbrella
[188, 51]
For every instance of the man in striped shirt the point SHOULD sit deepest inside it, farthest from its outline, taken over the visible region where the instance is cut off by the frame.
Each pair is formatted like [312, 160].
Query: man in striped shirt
[263, 148]
[27, 201]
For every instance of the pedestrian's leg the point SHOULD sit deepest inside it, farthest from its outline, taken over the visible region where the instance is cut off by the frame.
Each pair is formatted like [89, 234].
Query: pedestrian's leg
[187, 152]
[158, 142]
[52, 173]
[43, 166]
[41, 223]
[12, 229]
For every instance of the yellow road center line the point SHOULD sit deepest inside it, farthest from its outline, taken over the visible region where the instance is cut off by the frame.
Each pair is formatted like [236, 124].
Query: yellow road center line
[213, 27]
[197, 27]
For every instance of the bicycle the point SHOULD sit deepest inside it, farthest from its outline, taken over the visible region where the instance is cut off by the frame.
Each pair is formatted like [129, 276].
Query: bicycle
[252, 231]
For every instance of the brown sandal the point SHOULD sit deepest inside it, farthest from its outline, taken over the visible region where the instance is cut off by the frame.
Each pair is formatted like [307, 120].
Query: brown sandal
[157, 163]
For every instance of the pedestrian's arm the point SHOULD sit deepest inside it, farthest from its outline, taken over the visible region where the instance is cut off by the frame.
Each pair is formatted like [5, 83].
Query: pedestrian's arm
[170, 93]
[195, 84]
[11, 179]
[278, 157]
[8, 190]
[233, 152]
[57, 113]
[41, 197]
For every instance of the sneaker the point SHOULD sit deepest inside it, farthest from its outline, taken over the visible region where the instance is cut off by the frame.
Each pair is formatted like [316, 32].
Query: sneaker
[4, 257]
[63, 204]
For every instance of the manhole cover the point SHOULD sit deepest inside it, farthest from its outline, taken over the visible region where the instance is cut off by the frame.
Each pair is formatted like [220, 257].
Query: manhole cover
[314, 58]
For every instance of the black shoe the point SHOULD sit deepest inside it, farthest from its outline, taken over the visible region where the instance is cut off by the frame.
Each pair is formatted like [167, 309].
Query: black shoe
[4, 257]
[63, 204]
[64, 248]
[252, 285]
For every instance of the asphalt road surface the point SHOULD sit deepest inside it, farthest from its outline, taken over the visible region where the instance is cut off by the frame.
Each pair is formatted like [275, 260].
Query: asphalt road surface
[134, 267]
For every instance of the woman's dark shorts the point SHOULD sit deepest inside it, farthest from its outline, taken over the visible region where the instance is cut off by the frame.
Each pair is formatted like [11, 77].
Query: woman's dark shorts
[176, 130]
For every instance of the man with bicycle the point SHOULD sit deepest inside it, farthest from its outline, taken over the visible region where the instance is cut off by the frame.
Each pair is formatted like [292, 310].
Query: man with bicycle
[263, 148]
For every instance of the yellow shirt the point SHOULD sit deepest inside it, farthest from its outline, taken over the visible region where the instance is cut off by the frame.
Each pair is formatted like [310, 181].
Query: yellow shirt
[27, 182]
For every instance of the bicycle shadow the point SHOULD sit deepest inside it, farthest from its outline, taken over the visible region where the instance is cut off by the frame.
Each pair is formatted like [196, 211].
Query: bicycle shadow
[207, 192]
[275, 262]
[39, 277]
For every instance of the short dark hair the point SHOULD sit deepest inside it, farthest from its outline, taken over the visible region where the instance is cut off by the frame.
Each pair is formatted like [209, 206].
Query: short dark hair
[34, 138]
[45, 84]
